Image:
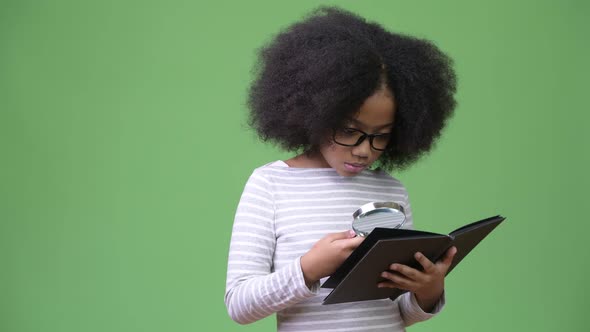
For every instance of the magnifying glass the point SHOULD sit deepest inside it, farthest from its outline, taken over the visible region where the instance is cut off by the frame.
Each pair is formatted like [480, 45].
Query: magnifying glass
[377, 214]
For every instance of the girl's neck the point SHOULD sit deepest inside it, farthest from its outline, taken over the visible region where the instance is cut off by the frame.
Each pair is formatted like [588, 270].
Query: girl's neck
[308, 160]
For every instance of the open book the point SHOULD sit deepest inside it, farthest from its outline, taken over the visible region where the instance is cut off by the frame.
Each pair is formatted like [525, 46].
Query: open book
[357, 278]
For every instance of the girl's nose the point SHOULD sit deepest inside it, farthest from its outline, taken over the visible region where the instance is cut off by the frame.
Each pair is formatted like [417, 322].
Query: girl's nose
[362, 150]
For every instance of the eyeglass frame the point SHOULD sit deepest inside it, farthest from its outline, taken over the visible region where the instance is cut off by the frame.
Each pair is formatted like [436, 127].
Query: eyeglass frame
[361, 139]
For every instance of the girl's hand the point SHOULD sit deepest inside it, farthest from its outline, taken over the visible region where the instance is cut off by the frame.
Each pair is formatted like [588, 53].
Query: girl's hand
[427, 285]
[327, 255]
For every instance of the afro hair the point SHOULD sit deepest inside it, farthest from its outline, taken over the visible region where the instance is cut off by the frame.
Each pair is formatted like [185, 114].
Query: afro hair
[318, 72]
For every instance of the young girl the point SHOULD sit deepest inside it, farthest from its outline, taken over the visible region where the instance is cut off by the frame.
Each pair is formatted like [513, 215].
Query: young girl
[356, 101]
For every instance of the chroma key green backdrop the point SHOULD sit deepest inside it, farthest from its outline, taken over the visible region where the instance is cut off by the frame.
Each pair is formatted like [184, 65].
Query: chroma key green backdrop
[124, 150]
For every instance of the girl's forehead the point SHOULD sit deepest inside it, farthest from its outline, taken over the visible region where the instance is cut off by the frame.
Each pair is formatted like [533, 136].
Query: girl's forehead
[377, 111]
[369, 124]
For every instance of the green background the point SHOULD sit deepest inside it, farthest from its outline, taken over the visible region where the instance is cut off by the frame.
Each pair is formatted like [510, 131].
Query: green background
[124, 151]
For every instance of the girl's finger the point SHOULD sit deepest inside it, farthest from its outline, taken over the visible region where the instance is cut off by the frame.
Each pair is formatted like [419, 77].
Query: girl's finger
[448, 259]
[399, 280]
[340, 235]
[351, 243]
[424, 261]
[407, 271]
[390, 284]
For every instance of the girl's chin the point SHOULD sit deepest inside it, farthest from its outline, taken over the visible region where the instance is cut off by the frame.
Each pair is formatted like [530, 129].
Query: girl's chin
[343, 171]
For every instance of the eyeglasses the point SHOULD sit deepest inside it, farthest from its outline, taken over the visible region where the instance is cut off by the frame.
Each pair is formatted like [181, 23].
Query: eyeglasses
[354, 137]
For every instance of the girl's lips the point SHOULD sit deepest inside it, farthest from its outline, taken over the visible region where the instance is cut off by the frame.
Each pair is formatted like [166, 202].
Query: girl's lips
[355, 168]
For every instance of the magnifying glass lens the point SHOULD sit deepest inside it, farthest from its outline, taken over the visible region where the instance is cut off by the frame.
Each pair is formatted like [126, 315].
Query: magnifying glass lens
[378, 214]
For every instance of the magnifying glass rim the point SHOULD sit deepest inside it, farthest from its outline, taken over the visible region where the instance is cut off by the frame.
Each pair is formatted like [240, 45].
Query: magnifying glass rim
[376, 206]
[373, 207]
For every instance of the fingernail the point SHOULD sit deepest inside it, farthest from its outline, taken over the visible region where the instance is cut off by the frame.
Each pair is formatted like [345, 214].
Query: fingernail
[351, 233]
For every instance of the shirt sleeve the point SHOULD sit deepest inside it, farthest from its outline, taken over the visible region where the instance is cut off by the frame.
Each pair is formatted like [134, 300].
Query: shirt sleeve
[253, 289]
[410, 310]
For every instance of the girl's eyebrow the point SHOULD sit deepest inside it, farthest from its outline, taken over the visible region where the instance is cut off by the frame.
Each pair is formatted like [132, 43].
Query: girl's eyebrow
[357, 122]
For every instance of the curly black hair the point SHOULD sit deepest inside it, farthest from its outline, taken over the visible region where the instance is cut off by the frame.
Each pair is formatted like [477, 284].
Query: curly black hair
[318, 72]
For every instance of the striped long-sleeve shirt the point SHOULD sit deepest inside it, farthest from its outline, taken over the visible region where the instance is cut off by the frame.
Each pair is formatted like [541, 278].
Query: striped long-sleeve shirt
[282, 212]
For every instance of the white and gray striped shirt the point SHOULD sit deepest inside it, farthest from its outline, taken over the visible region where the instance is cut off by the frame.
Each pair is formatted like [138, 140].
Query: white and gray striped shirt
[282, 212]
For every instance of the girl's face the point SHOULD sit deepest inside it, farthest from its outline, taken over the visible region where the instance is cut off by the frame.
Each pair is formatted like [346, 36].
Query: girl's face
[375, 116]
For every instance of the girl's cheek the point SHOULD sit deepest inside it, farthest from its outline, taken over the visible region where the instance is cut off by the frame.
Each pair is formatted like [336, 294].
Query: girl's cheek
[333, 147]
